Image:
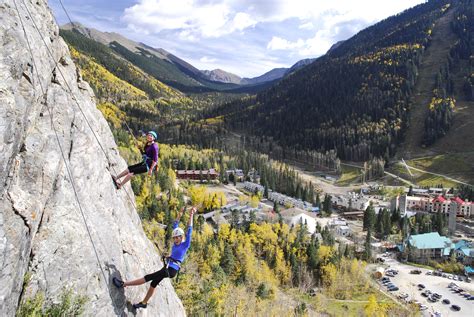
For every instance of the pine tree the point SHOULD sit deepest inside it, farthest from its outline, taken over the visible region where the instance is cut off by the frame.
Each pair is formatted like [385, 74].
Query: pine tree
[369, 218]
[387, 223]
[368, 249]
[276, 207]
[439, 223]
[379, 229]
[234, 220]
[395, 219]
[312, 253]
[318, 201]
[327, 205]
[228, 260]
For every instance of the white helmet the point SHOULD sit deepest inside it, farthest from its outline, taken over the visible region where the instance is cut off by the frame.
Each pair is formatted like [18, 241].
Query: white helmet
[177, 232]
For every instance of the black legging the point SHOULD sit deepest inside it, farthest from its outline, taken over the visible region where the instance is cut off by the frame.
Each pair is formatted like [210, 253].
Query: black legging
[156, 277]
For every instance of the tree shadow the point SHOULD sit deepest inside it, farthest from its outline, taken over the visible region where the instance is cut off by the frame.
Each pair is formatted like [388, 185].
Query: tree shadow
[122, 306]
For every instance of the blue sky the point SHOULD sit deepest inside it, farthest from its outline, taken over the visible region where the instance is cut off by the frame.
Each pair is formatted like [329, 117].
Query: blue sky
[245, 37]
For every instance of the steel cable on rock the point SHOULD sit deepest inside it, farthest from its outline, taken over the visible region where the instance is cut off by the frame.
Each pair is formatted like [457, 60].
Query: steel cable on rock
[75, 99]
[69, 173]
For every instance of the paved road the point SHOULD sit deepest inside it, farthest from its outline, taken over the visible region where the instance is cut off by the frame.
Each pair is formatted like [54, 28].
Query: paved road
[408, 284]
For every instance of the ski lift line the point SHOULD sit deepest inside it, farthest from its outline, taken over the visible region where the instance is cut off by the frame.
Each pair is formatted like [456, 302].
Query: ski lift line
[406, 166]
[69, 173]
[75, 99]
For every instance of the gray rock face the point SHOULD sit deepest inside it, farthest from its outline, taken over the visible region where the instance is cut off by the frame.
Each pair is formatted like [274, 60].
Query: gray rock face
[42, 230]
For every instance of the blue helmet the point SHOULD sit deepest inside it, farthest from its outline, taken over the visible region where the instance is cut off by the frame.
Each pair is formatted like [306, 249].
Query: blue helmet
[153, 133]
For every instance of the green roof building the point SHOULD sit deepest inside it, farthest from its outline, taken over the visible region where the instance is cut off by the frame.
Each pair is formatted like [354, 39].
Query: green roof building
[429, 246]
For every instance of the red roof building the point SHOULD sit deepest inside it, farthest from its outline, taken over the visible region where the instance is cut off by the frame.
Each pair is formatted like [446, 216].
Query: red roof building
[458, 200]
[197, 174]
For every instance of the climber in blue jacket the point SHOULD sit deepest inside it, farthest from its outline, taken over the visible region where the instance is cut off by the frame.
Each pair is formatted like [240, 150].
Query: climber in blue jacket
[172, 264]
[150, 160]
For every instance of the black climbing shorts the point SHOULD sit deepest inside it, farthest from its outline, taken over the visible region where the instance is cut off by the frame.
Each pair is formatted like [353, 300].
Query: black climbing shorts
[156, 277]
[139, 168]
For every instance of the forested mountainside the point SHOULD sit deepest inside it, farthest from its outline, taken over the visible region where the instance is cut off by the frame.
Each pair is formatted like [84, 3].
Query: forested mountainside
[356, 99]
[131, 94]
[162, 65]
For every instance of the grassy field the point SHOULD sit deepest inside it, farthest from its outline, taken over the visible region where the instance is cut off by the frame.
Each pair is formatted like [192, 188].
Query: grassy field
[329, 306]
[459, 166]
[350, 175]
[433, 180]
[355, 307]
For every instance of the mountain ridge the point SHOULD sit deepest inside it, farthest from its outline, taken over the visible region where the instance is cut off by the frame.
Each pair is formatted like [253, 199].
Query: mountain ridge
[215, 75]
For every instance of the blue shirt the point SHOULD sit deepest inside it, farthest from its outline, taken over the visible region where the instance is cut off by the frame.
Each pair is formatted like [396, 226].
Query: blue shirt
[178, 252]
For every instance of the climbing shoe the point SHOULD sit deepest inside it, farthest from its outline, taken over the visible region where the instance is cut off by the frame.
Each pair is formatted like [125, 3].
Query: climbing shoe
[139, 305]
[117, 185]
[117, 282]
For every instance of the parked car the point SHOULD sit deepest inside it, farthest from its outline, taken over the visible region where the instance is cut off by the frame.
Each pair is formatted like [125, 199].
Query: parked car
[446, 301]
[415, 271]
[455, 307]
[402, 295]
[438, 296]
[471, 298]
[432, 299]
[429, 272]
[423, 307]
[393, 289]
[421, 286]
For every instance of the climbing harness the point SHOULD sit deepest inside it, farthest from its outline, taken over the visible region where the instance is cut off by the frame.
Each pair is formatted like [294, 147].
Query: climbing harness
[167, 260]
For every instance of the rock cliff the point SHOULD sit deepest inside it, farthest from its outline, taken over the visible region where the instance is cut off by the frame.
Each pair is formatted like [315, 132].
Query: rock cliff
[43, 234]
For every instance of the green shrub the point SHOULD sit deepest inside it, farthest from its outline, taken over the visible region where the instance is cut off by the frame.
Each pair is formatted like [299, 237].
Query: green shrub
[69, 305]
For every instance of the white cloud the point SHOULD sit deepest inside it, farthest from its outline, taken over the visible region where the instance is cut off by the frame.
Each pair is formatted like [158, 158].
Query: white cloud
[281, 29]
[205, 19]
[306, 26]
[206, 59]
[197, 19]
[242, 21]
[277, 43]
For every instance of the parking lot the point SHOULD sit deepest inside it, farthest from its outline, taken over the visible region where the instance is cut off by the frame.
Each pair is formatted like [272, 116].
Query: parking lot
[408, 283]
